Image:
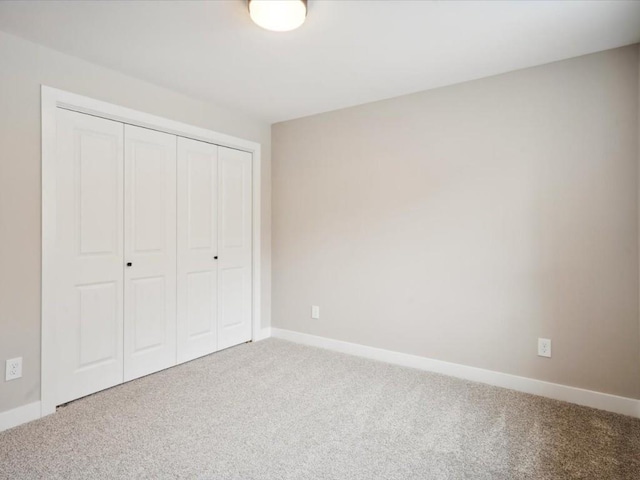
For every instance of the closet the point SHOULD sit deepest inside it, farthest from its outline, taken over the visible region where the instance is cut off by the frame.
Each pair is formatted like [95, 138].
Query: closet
[152, 253]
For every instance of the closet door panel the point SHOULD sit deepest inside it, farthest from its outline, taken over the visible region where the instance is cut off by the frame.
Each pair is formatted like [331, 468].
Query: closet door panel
[150, 252]
[235, 242]
[197, 248]
[89, 254]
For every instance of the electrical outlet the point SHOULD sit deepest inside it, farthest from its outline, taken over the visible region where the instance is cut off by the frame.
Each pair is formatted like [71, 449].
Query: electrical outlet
[544, 347]
[14, 369]
[315, 312]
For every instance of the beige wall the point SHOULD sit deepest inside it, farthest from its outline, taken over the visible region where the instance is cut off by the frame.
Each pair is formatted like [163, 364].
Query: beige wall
[465, 222]
[23, 68]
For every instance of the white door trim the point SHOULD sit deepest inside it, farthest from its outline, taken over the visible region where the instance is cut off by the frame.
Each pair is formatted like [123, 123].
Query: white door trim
[52, 99]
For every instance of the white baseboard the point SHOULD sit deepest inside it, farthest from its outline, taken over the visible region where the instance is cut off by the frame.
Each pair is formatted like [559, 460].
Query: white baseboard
[19, 415]
[33, 411]
[262, 334]
[588, 398]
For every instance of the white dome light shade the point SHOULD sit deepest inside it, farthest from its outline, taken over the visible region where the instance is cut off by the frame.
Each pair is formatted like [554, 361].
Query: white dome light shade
[278, 15]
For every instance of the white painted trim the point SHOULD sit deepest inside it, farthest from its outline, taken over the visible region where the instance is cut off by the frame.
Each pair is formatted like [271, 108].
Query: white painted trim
[257, 249]
[18, 416]
[588, 398]
[53, 98]
[48, 179]
[263, 334]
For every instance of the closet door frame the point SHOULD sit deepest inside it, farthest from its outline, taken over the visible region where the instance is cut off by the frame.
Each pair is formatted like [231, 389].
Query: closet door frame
[51, 100]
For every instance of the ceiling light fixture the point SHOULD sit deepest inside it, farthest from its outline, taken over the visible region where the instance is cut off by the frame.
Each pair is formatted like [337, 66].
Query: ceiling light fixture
[278, 15]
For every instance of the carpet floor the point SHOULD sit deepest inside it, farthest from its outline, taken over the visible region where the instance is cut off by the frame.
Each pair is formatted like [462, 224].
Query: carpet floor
[277, 410]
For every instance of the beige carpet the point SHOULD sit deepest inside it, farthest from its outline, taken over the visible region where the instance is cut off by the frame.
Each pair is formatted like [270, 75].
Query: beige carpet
[276, 410]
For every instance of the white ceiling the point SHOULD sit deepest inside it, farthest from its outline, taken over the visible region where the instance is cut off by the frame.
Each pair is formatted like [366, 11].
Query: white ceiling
[348, 52]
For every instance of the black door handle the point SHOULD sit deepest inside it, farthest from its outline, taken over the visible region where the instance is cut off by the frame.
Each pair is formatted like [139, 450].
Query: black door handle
[129, 264]
[215, 258]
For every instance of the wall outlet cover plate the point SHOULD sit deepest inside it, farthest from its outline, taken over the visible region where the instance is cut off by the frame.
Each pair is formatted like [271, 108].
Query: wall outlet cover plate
[13, 369]
[544, 347]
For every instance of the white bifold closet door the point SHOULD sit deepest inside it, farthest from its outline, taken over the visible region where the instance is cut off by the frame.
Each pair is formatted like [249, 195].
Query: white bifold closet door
[214, 248]
[197, 248]
[234, 247]
[153, 253]
[149, 251]
[88, 255]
